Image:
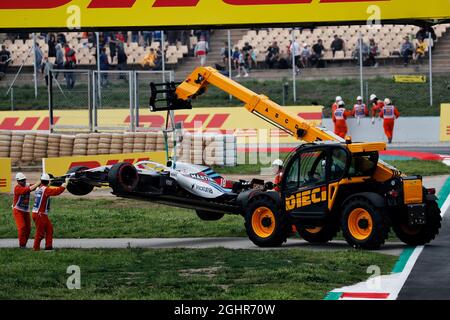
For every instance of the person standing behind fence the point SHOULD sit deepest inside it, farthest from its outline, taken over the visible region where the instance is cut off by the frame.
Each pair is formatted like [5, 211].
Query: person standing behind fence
[295, 50]
[121, 60]
[104, 66]
[242, 64]
[59, 61]
[71, 61]
[201, 50]
[47, 68]
[360, 109]
[389, 113]
[38, 56]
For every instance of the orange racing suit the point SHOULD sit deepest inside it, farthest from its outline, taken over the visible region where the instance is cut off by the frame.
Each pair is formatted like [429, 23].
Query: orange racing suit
[41, 209]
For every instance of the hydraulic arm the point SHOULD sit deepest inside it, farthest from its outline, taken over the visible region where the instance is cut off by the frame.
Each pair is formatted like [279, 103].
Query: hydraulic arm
[179, 97]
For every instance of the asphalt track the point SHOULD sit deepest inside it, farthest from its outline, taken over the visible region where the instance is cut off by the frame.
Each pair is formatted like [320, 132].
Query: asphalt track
[430, 276]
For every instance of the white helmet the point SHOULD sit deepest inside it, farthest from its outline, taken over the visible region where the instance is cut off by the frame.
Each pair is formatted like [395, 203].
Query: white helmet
[20, 176]
[338, 98]
[373, 96]
[387, 101]
[341, 103]
[277, 162]
[45, 177]
[359, 98]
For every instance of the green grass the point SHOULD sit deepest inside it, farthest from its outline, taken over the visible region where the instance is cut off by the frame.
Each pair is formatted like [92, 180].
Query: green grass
[321, 92]
[184, 274]
[421, 167]
[119, 218]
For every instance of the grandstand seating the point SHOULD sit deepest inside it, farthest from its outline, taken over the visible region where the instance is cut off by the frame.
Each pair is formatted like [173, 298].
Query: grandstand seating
[85, 52]
[388, 37]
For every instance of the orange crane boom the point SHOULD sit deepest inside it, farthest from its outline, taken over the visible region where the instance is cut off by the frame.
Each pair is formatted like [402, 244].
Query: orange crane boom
[199, 80]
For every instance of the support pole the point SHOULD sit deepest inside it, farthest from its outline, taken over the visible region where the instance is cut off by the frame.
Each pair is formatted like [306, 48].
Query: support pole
[430, 66]
[130, 90]
[90, 104]
[35, 66]
[50, 100]
[136, 97]
[294, 89]
[163, 55]
[99, 85]
[229, 59]
[361, 65]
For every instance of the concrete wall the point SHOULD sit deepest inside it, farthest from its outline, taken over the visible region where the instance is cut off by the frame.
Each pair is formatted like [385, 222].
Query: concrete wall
[407, 129]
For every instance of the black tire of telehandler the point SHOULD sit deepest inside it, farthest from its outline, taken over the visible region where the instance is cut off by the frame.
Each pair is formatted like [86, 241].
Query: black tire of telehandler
[380, 224]
[324, 235]
[415, 236]
[281, 227]
[79, 188]
[123, 177]
[209, 216]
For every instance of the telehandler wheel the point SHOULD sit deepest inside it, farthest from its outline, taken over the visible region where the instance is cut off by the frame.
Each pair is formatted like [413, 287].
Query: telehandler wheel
[79, 188]
[321, 234]
[420, 235]
[266, 226]
[363, 225]
[209, 216]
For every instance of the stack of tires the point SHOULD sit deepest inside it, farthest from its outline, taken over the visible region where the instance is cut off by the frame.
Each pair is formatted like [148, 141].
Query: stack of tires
[104, 144]
[161, 141]
[31, 147]
[139, 142]
[80, 144]
[150, 141]
[5, 143]
[66, 146]
[128, 142]
[40, 147]
[197, 147]
[184, 148]
[214, 146]
[15, 153]
[93, 141]
[28, 147]
[230, 150]
[53, 145]
[116, 143]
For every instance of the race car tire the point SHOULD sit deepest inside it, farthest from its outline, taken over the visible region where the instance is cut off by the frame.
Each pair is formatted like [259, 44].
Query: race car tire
[209, 216]
[265, 223]
[123, 177]
[79, 188]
